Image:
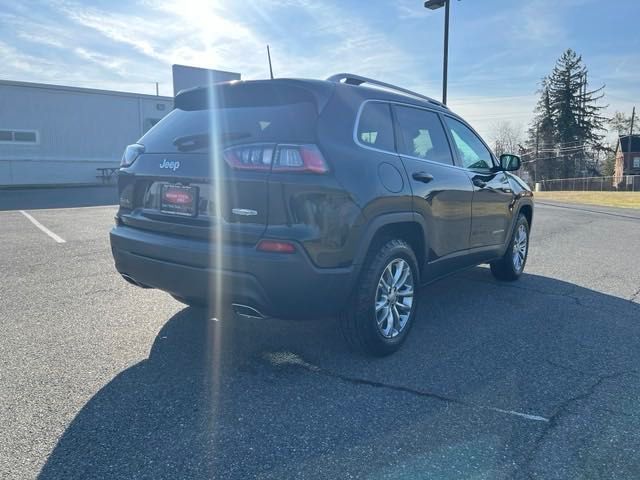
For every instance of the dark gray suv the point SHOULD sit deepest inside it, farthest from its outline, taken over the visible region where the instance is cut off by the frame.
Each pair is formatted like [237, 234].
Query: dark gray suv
[302, 198]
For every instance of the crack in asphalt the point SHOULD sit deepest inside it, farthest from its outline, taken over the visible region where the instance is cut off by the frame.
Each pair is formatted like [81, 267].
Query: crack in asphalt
[288, 358]
[569, 369]
[568, 295]
[560, 230]
[563, 409]
[634, 298]
[551, 422]
[588, 210]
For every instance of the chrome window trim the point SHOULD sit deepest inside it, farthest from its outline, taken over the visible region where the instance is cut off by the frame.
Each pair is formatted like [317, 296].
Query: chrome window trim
[402, 104]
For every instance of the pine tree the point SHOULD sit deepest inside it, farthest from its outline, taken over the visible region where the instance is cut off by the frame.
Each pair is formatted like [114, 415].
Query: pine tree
[578, 121]
[542, 138]
[568, 122]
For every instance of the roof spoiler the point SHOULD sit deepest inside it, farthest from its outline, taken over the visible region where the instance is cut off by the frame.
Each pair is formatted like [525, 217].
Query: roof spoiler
[253, 93]
[351, 79]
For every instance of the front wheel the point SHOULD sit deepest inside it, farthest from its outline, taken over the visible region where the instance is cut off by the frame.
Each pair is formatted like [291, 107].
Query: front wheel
[511, 265]
[384, 302]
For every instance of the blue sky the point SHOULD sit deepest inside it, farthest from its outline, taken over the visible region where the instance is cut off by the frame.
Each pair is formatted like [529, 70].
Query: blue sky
[499, 49]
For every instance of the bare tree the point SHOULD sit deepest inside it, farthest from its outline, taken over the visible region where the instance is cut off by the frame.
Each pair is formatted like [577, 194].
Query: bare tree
[507, 137]
[620, 124]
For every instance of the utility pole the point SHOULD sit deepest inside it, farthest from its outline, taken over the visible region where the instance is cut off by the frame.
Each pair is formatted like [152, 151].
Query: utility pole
[583, 122]
[633, 117]
[535, 162]
[157, 90]
[269, 57]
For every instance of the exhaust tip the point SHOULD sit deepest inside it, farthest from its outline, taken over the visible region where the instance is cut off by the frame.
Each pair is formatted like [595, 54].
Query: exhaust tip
[130, 280]
[246, 311]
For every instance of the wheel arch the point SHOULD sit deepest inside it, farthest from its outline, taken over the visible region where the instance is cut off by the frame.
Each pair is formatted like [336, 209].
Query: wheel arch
[527, 210]
[407, 226]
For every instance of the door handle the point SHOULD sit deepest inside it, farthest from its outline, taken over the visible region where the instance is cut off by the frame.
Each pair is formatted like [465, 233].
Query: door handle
[422, 177]
[479, 183]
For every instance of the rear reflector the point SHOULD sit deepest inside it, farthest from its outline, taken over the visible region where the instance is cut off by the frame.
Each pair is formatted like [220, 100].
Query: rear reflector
[275, 246]
[277, 158]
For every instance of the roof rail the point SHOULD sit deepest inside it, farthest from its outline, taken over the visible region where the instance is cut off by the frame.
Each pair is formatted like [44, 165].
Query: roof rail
[351, 79]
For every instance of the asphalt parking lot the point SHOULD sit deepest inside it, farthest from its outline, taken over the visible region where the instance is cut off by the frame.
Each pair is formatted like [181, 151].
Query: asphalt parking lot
[534, 379]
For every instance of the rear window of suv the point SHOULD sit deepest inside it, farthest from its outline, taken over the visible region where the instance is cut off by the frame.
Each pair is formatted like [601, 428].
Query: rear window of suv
[375, 128]
[238, 119]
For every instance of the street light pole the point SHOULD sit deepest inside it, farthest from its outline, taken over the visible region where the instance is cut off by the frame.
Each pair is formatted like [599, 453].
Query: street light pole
[434, 5]
[445, 64]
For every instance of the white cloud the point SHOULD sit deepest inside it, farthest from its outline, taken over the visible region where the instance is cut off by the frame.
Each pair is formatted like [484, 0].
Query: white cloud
[130, 46]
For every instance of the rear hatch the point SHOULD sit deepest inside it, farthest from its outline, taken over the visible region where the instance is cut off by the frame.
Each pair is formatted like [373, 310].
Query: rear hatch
[203, 170]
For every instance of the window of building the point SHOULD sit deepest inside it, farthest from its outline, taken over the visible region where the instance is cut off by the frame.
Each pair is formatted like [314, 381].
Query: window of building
[636, 162]
[375, 127]
[471, 151]
[18, 136]
[422, 135]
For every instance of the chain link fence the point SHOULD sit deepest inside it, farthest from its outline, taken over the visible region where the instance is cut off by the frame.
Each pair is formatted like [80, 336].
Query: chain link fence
[624, 183]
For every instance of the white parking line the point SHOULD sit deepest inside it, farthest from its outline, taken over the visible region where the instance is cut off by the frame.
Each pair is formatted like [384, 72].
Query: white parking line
[528, 416]
[43, 228]
[79, 208]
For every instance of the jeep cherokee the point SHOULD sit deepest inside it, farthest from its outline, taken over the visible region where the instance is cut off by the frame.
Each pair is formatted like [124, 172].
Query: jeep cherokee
[297, 198]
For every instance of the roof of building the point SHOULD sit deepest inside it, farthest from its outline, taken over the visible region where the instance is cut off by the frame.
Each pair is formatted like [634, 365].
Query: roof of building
[624, 143]
[81, 90]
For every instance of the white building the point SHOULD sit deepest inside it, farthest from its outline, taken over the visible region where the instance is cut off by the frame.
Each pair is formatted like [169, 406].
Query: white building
[52, 134]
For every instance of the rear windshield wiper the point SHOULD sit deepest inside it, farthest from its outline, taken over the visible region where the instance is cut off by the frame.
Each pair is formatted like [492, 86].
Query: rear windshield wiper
[187, 143]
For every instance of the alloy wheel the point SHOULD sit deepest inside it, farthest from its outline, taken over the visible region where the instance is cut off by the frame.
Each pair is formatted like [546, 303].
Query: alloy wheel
[394, 298]
[520, 248]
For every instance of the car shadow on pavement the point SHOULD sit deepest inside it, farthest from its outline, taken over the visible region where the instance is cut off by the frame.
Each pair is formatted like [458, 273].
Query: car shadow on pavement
[273, 399]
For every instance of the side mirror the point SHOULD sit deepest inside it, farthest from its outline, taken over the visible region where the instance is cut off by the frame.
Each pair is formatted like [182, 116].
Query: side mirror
[509, 162]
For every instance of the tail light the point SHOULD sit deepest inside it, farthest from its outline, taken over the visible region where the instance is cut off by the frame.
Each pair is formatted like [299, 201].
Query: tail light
[278, 158]
[276, 246]
[131, 153]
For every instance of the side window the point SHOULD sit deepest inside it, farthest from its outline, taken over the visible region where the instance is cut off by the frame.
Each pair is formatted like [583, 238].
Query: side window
[471, 150]
[421, 135]
[375, 128]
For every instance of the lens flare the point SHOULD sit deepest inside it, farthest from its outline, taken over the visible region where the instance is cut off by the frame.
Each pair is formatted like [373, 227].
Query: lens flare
[215, 330]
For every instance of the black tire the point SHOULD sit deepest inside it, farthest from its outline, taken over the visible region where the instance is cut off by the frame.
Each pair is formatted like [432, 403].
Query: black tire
[358, 322]
[506, 268]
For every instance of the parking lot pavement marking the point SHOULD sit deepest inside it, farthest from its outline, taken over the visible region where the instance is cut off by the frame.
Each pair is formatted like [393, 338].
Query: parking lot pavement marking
[287, 358]
[536, 418]
[57, 238]
[89, 207]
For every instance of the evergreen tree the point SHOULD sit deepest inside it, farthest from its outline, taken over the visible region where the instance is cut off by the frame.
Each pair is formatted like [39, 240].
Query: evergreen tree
[542, 138]
[568, 125]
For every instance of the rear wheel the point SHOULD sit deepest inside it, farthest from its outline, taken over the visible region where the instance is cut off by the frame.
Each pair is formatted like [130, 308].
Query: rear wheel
[383, 306]
[511, 265]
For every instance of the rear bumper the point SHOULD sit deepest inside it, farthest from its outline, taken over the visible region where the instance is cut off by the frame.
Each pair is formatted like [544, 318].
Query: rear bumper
[278, 285]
